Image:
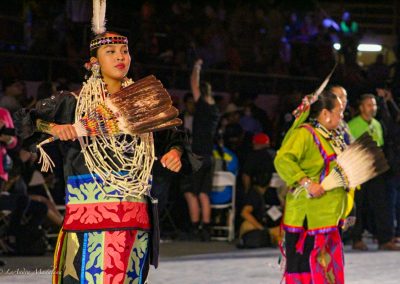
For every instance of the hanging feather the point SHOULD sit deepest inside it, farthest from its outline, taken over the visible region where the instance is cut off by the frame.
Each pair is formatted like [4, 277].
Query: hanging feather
[302, 112]
[312, 98]
[99, 17]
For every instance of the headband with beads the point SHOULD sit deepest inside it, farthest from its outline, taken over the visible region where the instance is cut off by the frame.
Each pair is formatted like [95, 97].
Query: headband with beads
[97, 42]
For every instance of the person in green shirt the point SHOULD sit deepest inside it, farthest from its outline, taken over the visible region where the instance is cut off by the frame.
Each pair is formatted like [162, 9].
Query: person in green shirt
[313, 246]
[365, 121]
[372, 192]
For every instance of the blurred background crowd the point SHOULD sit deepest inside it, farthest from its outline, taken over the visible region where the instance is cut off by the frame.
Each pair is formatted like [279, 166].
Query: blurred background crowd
[260, 57]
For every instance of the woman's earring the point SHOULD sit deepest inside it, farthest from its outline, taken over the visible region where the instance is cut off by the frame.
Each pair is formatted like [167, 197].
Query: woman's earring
[95, 69]
[328, 120]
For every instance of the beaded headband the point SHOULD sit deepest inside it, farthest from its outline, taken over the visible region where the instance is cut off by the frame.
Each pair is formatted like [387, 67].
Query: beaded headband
[108, 40]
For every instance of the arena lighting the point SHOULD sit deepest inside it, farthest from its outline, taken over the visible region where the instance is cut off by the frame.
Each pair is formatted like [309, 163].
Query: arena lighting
[363, 47]
[337, 46]
[369, 47]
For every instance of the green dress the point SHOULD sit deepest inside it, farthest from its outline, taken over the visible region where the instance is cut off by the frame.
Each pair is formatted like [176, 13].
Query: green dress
[300, 157]
[313, 246]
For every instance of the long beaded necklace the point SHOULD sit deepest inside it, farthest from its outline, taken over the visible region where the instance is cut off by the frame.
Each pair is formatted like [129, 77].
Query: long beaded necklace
[122, 162]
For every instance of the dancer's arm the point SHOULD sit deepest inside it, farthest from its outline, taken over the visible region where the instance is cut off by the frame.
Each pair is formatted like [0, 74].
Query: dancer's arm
[195, 80]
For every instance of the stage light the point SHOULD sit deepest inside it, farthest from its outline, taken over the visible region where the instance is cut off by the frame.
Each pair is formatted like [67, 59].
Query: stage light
[366, 47]
[369, 47]
[337, 46]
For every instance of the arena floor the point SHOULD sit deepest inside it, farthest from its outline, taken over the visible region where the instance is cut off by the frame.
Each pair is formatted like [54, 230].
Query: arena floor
[216, 262]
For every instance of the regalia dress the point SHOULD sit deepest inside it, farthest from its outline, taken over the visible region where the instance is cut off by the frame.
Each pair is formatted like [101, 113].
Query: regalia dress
[313, 247]
[106, 235]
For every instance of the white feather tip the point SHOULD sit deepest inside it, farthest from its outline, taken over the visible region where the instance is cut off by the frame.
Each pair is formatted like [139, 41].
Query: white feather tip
[99, 17]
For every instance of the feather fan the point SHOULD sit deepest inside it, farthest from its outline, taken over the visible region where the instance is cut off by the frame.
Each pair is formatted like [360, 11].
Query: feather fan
[358, 163]
[144, 106]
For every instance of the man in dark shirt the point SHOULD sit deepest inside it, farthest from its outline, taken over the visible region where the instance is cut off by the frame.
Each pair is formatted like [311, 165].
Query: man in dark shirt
[204, 127]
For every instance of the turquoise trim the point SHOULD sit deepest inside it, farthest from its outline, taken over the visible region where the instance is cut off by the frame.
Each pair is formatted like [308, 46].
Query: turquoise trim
[141, 268]
[90, 176]
[84, 252]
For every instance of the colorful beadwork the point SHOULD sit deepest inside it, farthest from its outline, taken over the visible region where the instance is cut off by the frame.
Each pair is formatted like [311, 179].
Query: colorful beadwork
[100, 120]
[108, 40]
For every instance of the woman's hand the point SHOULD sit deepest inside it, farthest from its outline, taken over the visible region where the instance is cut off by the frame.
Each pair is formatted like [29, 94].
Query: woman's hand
[315, 190]
[64, 132]
[172, 160]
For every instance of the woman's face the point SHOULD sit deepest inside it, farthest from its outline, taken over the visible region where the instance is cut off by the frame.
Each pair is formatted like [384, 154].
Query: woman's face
[114, 60]
[335, 115]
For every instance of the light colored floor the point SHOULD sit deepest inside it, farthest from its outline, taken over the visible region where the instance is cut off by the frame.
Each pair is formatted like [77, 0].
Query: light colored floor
[222, 263]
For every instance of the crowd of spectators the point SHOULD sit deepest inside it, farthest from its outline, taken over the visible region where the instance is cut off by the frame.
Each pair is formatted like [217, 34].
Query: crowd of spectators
[265, 36]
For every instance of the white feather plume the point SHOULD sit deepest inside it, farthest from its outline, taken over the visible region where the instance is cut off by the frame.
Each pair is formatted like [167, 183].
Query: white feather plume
[358, 163]
[99, 17]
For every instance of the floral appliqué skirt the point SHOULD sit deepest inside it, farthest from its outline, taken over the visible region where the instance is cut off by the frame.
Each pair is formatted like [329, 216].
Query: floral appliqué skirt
[104, 239]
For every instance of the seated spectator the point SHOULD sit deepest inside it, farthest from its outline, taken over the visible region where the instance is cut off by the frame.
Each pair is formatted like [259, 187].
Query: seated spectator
[36, 186]
[26, 215]
[253, 230]
[24, 235]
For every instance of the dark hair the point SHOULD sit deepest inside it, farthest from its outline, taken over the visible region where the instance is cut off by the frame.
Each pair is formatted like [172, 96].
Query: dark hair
[365, 97]
[93, 53]
[326, 100]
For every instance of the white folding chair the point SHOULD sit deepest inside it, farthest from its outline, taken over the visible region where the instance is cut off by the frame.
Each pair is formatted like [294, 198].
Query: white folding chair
[222, 179]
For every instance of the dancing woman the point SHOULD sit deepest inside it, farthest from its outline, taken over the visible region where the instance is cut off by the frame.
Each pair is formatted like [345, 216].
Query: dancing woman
[107, 230]
[313, 246]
